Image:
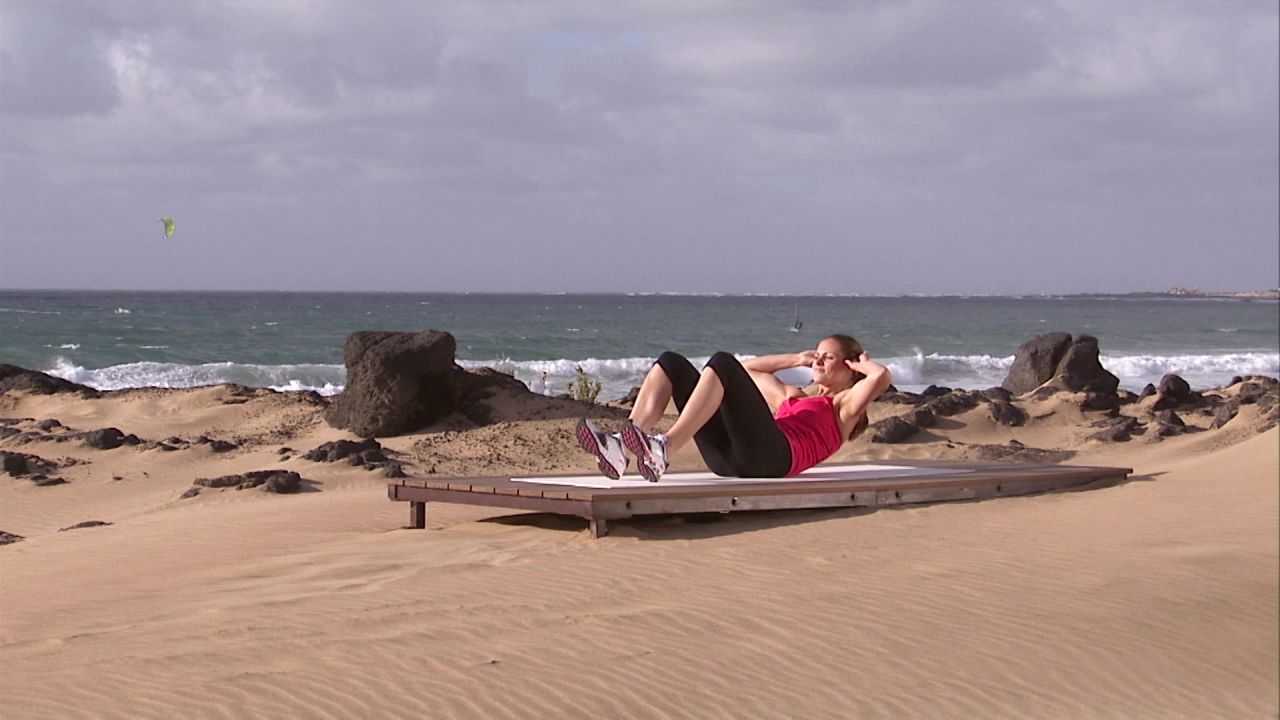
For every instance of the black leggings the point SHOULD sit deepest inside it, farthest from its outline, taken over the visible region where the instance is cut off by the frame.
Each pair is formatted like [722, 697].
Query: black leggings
[741, 439]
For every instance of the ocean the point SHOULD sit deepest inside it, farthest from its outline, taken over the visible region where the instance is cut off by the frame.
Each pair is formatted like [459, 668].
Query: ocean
[292, 341]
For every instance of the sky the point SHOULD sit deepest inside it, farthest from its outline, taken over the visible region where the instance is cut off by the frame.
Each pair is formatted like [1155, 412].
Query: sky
[659, 146]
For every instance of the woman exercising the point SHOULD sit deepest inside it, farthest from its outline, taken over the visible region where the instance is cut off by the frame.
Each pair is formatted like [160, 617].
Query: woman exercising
[725, 410]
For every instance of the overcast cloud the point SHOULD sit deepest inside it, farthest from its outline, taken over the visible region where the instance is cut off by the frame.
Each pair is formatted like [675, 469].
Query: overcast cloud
[870, 147]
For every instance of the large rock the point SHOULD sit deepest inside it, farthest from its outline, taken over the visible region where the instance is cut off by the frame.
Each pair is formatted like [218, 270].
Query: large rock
[1080, 369]
[1174, 392]
[396, 382]
[1056, 360]
[1035, 362]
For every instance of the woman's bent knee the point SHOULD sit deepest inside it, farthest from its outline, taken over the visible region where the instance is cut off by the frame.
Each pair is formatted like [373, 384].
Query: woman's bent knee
[668, 357]
[726, 366]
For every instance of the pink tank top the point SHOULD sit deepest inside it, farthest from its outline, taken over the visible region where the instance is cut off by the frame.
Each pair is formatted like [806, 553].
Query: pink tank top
[812, 429]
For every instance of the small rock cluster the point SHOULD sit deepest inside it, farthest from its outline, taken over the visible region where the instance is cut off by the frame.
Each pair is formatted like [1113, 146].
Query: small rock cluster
[276, 481]
[1048, 365]
[51, 430]
[32, 467]
[110, 438]
[365, 453]
[172, 443]
[935, 402]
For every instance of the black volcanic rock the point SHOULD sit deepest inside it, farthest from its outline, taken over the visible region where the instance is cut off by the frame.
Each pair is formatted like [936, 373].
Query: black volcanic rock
[900, 398]
[399, 382]
[221, 446]
[276, 481]
[396, 382]
[996, 393]
[921, 417]
[953, 402]
[104, 439]
[1100, 401]
[1055, 359]
[341, 450]
[891, 430]
[1119, 429]
[1035, 362]
[1007, 413]
[1175, 386]
[20, 464]
[85, 524]
[13, 377]
[1174, 392]
[1168, 423]
[1080, 369]
[1225, 414]
[221, 481]
[935, 391]
[1252, 390]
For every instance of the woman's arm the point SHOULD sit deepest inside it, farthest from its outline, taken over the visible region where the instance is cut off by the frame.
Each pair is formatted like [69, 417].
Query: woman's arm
[856, 399]
[774, 363]
[774, 390]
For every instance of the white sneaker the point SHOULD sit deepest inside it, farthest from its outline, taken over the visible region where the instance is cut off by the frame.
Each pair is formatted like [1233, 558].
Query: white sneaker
[650, 451]
[607, 447]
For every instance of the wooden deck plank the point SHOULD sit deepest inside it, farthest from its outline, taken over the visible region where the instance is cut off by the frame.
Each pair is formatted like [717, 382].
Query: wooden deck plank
[971, 481]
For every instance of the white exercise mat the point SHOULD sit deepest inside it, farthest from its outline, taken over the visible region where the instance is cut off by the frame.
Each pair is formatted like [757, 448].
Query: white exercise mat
[821, 472]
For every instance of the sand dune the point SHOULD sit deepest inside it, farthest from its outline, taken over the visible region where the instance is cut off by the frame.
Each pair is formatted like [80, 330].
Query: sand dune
[1154, 598]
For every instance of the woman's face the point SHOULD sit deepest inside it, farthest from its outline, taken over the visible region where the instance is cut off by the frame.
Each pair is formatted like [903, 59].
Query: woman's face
[828, 365]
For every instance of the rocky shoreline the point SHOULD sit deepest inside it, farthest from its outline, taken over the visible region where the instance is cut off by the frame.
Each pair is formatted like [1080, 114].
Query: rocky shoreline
[436, 417]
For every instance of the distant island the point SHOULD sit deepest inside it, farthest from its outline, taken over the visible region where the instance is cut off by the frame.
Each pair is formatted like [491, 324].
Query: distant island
[1184, 293]
[1181, 292]
[1197, 292]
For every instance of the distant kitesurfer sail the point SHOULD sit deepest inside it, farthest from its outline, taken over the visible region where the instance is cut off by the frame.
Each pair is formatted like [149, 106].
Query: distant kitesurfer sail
[169, 226]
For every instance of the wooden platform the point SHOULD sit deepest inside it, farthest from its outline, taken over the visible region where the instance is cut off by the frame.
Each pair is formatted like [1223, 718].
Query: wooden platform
[600, 500]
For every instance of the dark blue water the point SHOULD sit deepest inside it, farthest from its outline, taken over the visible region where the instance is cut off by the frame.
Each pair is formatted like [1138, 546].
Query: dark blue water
[294, 340]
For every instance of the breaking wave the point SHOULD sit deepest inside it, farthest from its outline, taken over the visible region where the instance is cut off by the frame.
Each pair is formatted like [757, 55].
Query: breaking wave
[618, 375]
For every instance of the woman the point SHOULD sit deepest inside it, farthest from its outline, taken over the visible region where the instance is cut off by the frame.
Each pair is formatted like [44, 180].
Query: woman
[725, 409]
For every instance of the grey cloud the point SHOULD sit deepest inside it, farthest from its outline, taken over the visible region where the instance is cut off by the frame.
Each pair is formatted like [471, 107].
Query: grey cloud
[551, 143]
[51, 60]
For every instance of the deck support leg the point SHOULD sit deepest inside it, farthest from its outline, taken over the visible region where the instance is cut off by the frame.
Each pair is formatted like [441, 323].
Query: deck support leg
[599, 527]
[417, 515]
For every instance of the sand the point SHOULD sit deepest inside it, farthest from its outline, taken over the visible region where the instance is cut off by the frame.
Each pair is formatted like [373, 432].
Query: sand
[1155, 598]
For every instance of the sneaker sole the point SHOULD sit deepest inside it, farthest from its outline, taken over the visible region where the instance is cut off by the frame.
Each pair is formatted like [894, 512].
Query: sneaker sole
[587, 440]
[636, 445]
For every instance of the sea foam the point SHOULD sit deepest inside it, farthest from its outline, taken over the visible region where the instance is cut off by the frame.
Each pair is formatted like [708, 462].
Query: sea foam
[324, 379]
[618, 375]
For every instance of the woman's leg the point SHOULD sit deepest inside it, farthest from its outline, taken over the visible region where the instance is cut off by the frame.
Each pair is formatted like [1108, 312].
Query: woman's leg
[702, 405]
[671, 377]
[757, 446]
[732, 423]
